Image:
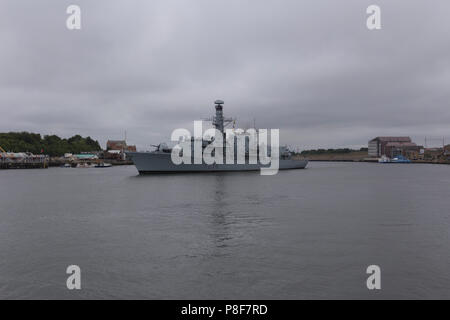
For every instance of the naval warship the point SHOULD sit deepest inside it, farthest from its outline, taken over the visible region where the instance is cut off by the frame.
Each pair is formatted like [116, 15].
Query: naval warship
[160, 161]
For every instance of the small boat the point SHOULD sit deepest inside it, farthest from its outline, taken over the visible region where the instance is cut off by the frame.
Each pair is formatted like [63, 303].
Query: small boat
[384, 159]
[85, 165]
[104, 165]
[400, 159]
[397, 159]
[66, 165]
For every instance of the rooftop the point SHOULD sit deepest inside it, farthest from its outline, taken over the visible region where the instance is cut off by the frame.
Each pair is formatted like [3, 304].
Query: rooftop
[393, 139]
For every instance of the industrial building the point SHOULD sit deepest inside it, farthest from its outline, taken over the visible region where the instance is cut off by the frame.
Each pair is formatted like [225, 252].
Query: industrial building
[119, 145]
[394, 146]
[447, 152]
[115, 149]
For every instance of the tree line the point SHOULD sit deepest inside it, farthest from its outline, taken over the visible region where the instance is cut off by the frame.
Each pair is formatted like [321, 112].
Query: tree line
[51, 145]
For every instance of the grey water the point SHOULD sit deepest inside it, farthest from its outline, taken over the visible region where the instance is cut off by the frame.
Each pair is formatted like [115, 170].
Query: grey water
[302, 234]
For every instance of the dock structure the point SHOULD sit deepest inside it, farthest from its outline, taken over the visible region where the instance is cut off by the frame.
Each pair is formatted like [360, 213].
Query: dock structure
[23, 161]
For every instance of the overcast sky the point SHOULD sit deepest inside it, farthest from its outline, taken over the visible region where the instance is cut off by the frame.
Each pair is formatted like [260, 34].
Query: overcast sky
[310, 68]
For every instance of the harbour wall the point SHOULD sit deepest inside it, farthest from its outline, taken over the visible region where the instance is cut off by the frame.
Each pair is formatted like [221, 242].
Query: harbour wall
[5, 164]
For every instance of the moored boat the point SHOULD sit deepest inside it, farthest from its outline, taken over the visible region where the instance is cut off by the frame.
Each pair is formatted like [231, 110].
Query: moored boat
[103, 165]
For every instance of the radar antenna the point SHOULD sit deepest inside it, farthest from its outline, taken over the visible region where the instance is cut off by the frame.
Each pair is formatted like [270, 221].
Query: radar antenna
[219, 121]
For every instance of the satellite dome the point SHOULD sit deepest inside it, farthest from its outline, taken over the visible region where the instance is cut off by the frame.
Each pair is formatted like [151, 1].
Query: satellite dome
[219, 102]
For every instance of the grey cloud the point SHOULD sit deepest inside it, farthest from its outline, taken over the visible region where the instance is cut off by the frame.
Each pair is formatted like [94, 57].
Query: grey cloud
[310, 68]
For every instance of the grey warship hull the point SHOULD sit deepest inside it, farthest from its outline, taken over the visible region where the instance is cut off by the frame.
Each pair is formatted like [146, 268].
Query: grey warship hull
[160, 162]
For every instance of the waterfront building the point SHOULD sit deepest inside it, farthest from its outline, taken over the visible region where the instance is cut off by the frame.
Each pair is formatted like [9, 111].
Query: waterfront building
[393, 146]
[119, 145]
[116, 149]
[409, 150]
[447, 152]
[86, 156]
[22, 160]
[434, 153]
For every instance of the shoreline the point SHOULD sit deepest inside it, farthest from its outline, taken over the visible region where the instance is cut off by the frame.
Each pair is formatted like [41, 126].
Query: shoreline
[376, 161]
[60, 163]
[356, 157]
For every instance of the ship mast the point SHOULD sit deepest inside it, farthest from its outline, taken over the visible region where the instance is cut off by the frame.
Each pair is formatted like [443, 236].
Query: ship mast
[218, 120]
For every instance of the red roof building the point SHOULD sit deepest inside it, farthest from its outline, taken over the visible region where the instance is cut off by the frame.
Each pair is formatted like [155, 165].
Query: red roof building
[119, 145]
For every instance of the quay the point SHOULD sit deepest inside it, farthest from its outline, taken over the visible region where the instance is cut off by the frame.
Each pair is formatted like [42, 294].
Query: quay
[23, 161]
[59, 162]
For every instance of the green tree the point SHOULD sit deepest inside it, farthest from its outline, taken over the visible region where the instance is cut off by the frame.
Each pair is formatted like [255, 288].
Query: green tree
[51, 144]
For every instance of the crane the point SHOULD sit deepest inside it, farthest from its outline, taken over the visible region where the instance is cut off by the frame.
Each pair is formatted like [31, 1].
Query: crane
[2, 150]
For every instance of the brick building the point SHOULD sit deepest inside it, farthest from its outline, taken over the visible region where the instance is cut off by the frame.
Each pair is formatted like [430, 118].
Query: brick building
[119, 145]
[115, 149]
[384, 146]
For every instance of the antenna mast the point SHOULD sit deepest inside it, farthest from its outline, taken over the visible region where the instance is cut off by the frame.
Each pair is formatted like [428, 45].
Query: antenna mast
[219, 121]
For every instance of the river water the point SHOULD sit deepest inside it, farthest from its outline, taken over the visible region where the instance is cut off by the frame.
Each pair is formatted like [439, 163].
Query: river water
[301, 234]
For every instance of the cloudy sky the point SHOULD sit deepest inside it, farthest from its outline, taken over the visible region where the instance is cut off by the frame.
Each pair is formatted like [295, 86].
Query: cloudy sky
[310, 68]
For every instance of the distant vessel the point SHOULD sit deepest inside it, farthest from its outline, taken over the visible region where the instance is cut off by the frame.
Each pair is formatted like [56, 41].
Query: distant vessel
[103, 165]
[398, 159]
[85, 165]
[159, 161]
[384, 159]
